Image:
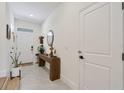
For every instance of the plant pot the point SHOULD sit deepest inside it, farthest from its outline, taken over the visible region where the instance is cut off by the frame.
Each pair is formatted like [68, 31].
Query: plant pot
[15, 72]
[42, 51]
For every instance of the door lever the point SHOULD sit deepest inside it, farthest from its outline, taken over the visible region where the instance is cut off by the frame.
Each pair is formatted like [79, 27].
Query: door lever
[81, 57]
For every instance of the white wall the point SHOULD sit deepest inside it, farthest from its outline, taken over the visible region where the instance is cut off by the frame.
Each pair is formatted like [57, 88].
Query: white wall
[123, 31]
[64, 21]
[5, 44]
[36, 31]
[10, 21]
[3, 40]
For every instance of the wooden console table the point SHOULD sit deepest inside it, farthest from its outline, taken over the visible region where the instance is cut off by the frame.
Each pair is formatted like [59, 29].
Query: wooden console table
[54, 65]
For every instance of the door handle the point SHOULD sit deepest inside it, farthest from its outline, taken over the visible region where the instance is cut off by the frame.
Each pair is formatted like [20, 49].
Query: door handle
[31, 48]
[81, 57]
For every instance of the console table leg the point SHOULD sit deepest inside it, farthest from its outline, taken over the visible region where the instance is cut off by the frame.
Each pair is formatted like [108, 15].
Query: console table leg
[41, 62]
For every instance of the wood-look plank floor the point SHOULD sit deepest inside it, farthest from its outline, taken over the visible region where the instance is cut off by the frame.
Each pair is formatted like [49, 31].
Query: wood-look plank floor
[2, 80]
[13, 84]
[37, 78]
[9, 84]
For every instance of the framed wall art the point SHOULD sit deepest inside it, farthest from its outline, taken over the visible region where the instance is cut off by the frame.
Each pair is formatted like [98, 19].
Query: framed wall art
[8, 32]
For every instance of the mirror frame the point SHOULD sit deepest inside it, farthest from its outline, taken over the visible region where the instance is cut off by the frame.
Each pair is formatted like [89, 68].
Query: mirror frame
[52, 38]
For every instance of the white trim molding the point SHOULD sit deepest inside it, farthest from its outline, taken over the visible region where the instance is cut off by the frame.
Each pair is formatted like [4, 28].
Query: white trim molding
[3, 73]
[71, 84]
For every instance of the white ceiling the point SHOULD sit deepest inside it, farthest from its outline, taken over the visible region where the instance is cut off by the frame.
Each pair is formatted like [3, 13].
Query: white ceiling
[39, 10]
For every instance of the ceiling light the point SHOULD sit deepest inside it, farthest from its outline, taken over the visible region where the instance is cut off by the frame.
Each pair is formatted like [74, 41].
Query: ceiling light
[31, 15]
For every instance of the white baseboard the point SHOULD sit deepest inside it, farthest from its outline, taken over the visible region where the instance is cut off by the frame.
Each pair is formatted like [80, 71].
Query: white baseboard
[3, 73]
[69, 83]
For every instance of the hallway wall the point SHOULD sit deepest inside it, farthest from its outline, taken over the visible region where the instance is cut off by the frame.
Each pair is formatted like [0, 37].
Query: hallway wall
[64, 21]
[10, 21]
[5, 18]
[3, 41]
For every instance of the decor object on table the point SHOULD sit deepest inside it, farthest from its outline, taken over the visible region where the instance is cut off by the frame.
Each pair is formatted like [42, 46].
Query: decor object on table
[41, 49]
[15, 69]
[41, 39]
[50, 39]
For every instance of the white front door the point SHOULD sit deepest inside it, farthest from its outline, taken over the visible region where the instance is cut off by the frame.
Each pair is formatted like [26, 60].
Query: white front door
[101, 46]
[24, 43]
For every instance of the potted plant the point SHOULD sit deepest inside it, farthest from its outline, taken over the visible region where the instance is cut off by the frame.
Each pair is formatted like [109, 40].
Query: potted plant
[15, 67]
[41, 49]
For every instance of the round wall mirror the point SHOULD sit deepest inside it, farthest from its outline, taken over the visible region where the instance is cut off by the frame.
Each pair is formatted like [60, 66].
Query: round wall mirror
[50, 38]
